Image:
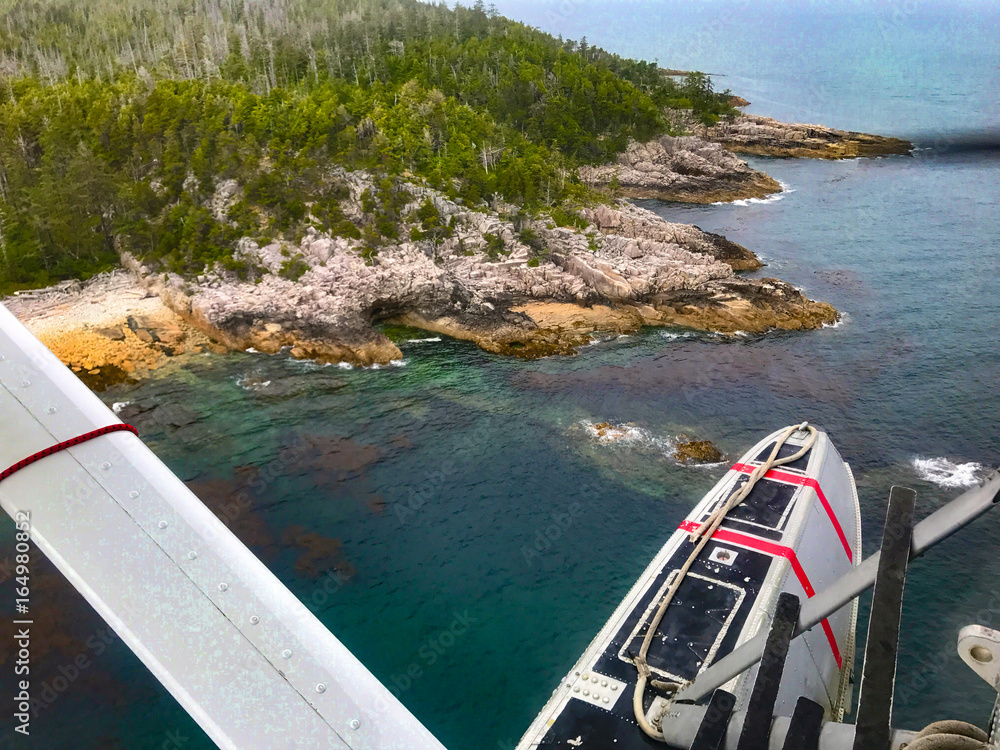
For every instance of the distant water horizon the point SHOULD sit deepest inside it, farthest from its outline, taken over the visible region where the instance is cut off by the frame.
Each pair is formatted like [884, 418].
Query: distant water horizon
[907, 68]
[432, 487]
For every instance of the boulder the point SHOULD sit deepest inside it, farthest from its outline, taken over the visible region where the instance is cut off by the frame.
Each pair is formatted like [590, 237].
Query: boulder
[698, 451]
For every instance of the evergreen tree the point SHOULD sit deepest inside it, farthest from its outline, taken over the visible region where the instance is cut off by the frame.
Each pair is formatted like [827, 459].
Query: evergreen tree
[118, 120]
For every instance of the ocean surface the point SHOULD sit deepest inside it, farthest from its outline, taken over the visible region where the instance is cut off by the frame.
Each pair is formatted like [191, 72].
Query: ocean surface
[464, 493]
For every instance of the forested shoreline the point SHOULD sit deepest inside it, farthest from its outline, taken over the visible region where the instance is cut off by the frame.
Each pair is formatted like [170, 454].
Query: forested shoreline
[118, 122]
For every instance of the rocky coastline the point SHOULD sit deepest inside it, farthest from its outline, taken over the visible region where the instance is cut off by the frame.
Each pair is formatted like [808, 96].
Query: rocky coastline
[109, 329]
[763, 136]
[703, 167]
[513, 285]
[687, 169]
[625, 269]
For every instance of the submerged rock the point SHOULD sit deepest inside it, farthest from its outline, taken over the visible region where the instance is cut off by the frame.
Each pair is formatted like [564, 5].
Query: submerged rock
[608, 431]
[700, 451]
[101, 378]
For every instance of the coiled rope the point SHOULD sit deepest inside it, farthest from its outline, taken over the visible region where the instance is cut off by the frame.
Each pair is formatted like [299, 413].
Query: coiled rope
[949, 735]
[701, 535]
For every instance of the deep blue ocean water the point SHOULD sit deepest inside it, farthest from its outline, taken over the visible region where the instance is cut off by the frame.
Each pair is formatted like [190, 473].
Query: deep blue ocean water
[431, 486]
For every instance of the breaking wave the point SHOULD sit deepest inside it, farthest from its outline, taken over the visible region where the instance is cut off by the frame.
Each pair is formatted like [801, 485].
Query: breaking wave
[774, 198]
[377, 366]
[839, 322]
[252, 382]
[945, 473]
[605, 338]
[630, 436]
[626, 434]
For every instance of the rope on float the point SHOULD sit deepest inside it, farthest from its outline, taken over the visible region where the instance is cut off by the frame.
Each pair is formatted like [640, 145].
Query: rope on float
[949, 735]
[702, 534]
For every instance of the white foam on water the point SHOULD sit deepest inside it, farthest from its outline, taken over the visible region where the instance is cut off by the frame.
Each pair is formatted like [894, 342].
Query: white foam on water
[630, 436]
[946, 473]
[423, 341]
[312, 364]
[308, 364]
[624, 434]
[673, 335]
[605, 339]
[251, 350]
[774, 198]
[715, 465]
[117, 406]
[839, 322]
[247, 384]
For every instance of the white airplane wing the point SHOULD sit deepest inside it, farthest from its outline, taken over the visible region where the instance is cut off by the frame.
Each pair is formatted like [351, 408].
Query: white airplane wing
[250, 663]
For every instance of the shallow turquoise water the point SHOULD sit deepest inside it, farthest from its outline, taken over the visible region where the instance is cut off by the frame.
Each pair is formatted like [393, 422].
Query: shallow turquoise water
[462, 487]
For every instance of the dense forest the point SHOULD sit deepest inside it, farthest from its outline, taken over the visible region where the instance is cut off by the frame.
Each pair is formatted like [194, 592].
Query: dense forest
[118, 120]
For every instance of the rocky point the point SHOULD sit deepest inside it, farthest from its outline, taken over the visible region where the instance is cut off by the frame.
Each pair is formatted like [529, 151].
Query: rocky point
[626, 268]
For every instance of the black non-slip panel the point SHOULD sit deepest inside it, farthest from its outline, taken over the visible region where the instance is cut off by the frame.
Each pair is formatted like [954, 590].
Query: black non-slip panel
[784, 451]
[747, 528]
[715, 722]
[879, 675]
[588, 726]
[805, 726]
[760, 710]
[747, 564]
[764, 507]
[766, 503]
[696, 616]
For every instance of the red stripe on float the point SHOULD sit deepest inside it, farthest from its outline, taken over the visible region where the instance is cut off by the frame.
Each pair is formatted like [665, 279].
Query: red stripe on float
[783, 476]
[774, 550]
